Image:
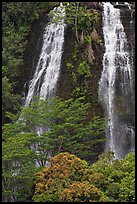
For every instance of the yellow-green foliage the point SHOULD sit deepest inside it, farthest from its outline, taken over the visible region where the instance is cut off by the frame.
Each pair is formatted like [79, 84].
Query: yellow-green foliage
[119, 177]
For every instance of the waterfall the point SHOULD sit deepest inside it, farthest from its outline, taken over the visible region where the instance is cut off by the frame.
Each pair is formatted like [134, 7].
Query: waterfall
[116, 85]
[44, 81]
[45, 78]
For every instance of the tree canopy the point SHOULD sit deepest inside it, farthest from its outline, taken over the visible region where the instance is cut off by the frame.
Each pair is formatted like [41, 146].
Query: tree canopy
[70, 179]
[44, 129]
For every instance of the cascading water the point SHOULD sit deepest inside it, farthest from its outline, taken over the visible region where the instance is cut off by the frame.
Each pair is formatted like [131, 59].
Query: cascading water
[45, 78]
[44, 81]
[116, 85]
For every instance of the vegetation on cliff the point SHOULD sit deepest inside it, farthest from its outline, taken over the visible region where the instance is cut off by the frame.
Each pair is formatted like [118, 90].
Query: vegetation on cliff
[17, 19]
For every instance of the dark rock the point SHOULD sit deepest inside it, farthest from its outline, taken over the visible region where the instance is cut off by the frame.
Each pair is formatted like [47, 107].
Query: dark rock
[66, 85]
[121, 6]
[92, 5]
[32, 52]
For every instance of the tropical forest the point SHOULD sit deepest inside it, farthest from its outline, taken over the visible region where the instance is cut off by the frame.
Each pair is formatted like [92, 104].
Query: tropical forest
[68, 102]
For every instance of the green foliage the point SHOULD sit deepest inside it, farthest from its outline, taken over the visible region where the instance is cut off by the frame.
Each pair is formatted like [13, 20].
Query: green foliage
[78, 18]
[10, 101]
[84, 69]
[85, 20]
[17, 18]
[87, 40]
[16, 25]
[81, 72]
[65, 120]
[69, 65]
[120, 177]
[47, 5]
[4, 71]
[17, 163]
[65, 130]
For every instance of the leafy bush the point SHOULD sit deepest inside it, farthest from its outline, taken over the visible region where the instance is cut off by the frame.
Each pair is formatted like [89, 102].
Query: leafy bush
[119, 176]
[83, 69]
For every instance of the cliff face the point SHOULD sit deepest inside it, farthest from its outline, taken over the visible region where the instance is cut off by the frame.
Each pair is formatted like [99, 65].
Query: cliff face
[67, 85]
[128, 21]
[94, 54]
[33, 49]
[127, 13]
[88, 86]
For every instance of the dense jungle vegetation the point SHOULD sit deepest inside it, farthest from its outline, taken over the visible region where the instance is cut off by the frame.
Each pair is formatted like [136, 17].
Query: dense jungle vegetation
[56, 165]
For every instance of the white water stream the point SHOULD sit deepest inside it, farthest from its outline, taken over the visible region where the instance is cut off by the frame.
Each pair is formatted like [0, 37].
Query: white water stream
[44, 81]
[45, 78]
[115, 86]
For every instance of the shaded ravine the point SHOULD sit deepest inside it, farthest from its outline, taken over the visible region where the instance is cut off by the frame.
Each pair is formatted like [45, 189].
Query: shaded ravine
[116, 85]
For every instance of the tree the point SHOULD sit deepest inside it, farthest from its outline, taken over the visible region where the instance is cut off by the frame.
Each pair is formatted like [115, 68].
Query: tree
[119, 176]
[10, 102]
[44, 129]
[17, 164]
[16, 25]
[78, 18]
[63, 181]
[64, 127]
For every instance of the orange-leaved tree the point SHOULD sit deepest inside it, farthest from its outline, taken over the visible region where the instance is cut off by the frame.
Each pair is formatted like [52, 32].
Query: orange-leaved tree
[68, 179]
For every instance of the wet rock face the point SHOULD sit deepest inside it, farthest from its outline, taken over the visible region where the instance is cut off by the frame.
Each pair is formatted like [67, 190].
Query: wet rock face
[33, 49]
[92, 5]
[128, 20]
[66, 84]
[65, 81]
[32, 52]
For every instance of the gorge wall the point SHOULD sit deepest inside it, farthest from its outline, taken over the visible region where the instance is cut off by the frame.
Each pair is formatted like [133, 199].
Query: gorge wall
[128, 20]
[70, 85]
